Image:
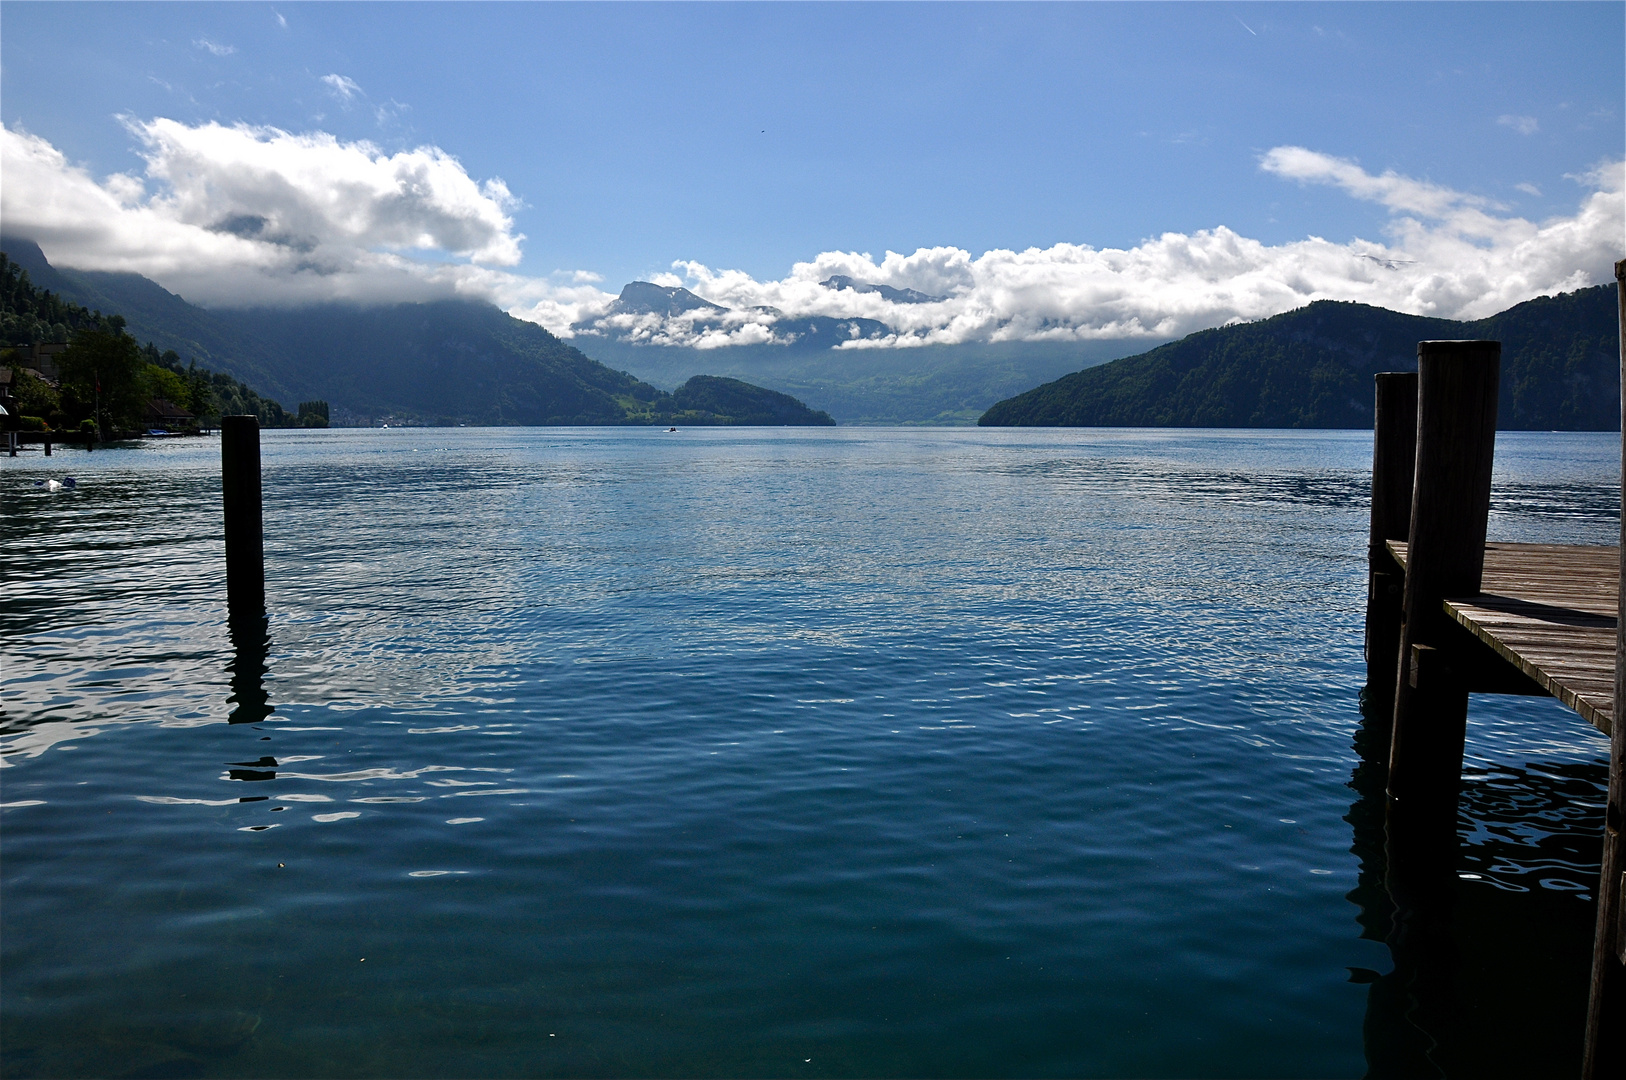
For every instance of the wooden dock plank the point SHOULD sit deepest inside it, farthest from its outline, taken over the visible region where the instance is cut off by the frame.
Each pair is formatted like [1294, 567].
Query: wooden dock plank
[1549, 610]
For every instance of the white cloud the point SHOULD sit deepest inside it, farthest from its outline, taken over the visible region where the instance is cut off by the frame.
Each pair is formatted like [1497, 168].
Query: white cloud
[1524, 125]
[1528, 189]
[1397, 193]
[1446, 253]
[214, 47]
[281, 21]
[258, 215]
[245, 215]
[1604, 175]
[342, 87]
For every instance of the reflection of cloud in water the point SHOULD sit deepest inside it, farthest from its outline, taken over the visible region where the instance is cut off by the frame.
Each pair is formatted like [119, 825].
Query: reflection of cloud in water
[388, 773]
[33, 741]
[91, 664]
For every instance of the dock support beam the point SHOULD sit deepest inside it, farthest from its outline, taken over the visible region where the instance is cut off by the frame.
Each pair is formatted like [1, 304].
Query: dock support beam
[240, 494]
[1445, 556]
[1605, 1053]
[1394, 460]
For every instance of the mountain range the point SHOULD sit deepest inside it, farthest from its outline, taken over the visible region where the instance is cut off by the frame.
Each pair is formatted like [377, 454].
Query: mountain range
[445, 362]
[930, 384]
[1313, 368]
[460, 361]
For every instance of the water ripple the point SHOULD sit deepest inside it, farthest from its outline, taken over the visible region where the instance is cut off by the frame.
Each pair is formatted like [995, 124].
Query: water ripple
[907, 752]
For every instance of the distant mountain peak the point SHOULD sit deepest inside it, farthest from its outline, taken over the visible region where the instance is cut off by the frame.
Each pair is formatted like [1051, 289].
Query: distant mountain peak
[888, 293]
[647, 298]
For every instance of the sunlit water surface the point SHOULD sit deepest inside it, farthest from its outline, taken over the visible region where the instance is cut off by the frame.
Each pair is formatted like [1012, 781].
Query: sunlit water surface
[756, 752]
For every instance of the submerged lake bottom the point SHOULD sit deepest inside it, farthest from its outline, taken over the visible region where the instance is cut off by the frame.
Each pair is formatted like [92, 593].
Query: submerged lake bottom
[766, 752]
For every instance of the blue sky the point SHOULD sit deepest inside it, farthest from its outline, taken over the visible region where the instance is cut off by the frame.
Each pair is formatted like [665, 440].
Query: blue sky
[747, 137]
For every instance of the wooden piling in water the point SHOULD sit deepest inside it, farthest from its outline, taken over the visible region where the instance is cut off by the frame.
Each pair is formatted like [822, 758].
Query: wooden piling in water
[1450, 509]
[1605, 1052]
[1394, 460]
[240, 496]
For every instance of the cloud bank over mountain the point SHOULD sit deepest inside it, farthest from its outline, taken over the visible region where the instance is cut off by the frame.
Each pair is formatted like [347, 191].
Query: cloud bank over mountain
[241, 215]
[244, 215]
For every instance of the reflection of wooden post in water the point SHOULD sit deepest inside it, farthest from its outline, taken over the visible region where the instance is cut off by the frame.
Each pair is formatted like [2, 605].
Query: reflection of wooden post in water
[1606, 1014]
[250, 643]
[240, 494]
[1394, 459]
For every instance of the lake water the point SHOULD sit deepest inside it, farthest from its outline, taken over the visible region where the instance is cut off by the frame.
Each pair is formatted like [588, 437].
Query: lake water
[606, 752]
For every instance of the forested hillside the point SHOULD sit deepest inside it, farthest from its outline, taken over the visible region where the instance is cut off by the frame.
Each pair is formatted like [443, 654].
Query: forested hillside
[102, 352]
[746, 404]
[1313, 368]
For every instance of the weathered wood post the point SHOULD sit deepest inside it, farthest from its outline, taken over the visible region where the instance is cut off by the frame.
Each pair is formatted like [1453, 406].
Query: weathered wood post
[1445, 556]
[1394, 460]
[1605, 1053]
[240, 494]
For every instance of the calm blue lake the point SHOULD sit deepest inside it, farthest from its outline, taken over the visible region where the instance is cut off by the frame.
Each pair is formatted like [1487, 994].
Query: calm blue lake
[844, 752]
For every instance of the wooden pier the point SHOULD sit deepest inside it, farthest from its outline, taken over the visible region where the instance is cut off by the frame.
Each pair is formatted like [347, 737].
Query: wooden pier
[1449, 614]
[1549, 612]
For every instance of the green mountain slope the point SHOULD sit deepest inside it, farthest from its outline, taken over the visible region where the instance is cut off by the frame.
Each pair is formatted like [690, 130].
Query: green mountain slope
[1313, 368]
[445, 362]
